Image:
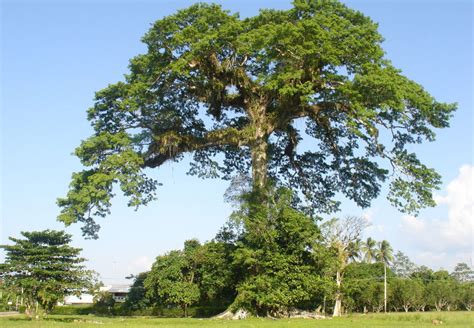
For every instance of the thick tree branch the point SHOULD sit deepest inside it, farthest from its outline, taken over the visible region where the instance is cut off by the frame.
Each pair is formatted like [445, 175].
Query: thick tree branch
[171, 144]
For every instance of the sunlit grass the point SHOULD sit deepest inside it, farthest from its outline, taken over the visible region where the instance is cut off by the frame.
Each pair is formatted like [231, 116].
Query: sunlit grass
[419, 320]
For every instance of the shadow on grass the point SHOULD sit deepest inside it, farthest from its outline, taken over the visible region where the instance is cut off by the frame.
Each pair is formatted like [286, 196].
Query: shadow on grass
[67, 319]
[17, 319]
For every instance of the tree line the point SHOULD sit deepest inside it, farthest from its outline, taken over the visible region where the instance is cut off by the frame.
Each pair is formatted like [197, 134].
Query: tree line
[271, 259]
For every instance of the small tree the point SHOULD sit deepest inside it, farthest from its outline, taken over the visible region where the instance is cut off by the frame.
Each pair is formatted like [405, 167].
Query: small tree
[171, 281]
[466, 295]
[406, 293]
[44, 269]
[377, 289]
[104, 302]
[362, 284]
[340, 236]
[441, 291]
[136, 298]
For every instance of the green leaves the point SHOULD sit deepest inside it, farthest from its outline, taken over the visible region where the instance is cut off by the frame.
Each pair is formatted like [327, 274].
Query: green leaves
[43, 268]
[91, 191]
[171, 281]
[276, 254]
[412, 189]
[213, 84]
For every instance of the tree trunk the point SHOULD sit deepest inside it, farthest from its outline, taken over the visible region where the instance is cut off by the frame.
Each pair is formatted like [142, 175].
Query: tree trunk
[259, 163]
[259, 145]
[385, 287]
[337, 304]
[185, 310]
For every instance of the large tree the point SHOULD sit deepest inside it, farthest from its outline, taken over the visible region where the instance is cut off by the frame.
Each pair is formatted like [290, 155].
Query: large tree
[230, 91]
[43, 268]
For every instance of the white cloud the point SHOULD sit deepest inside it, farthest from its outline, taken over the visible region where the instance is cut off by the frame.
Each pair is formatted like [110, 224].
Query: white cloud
[368, 215]
[460, 200]
[373, 227]
[445, 241]
[413, 224]
[140, 264]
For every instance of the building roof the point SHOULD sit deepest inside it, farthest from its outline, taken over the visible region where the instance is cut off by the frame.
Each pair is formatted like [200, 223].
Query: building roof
[116, 288]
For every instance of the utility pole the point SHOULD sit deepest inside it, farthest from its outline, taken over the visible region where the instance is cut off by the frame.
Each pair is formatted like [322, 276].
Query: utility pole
[385, 287]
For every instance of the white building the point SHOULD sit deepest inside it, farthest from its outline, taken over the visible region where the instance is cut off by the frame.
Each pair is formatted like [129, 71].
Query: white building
[76, 300]
[119, 293]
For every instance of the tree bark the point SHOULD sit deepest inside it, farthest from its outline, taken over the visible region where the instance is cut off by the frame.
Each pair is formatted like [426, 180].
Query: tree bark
[324, 304]
[259, 145]
[337, 304]
[259, 163]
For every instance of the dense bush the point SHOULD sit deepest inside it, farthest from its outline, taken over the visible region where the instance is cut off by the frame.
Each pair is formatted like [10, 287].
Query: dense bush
[277, 254]
[74, 310]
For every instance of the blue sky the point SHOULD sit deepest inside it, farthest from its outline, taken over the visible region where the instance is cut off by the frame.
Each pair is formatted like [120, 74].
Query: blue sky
[56, 54]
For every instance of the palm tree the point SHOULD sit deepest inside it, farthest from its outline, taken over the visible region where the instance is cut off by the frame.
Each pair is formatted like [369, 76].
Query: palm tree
[384, 254]
[354, 250]
[368, 250]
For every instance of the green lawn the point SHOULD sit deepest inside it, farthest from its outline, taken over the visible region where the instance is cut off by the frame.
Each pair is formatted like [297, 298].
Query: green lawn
[419, 320]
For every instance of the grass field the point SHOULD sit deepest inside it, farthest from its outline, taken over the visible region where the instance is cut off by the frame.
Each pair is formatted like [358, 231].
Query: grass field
[419, 320]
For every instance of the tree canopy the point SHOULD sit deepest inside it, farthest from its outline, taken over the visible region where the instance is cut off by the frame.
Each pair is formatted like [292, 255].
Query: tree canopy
[229, 91]
[171, 280]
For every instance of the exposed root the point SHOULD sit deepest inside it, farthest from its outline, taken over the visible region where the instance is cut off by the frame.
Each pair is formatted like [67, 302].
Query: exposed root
[229, 315]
